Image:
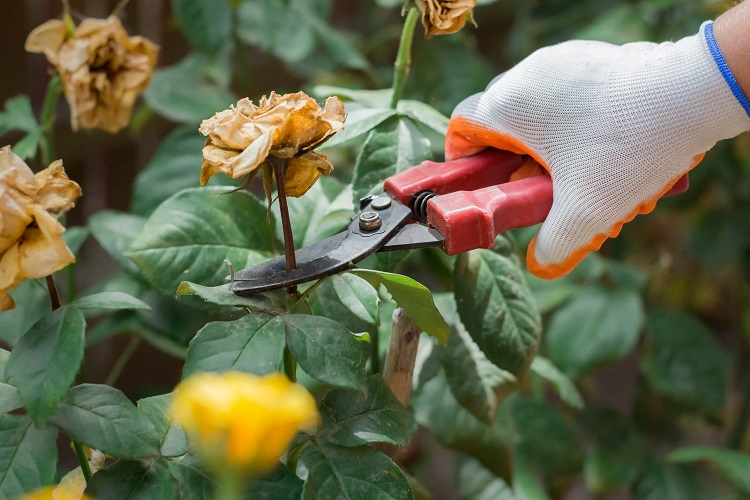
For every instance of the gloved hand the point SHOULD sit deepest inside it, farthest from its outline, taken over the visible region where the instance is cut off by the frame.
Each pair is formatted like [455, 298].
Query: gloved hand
[615, 126]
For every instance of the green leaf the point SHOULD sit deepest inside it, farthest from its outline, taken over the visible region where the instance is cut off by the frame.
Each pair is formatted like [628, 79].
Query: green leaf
[476, 383]
[26, 147]
[358, 296]
[550, 294]
[352, 418]
[390, 148]
[617, 456]
[252, 344]
[271, 302]
[684, 362]
[496, 307]
[18, 115]
[436, 408]
[660, 481]
[598, 326]
[9, 398]
[546, 439]
[28, 456]
[732, 465]
[358, 123]
[207, 24]
[325, 210]
[75, 237]
[195, 482]
[175, 166]
[110, 301]
[101, 417]
[414, 298]
[171, 436]
[141, 479]
[363, 472]
[115, 232]
[367, 98]
[341, 48]
[566, 389]
[188, 237]
[4, 356]
[191, 90]
[44, 363]
[424, 114]
[276, 28]
[325, 350]
[32, 304]
[476, 482]
[326, 302]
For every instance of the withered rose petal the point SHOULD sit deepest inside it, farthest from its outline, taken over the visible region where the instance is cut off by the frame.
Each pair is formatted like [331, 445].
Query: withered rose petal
[302, 172]
[46, 38]
[43, 251]
[6, 301]
[56, 191]
[445, 17]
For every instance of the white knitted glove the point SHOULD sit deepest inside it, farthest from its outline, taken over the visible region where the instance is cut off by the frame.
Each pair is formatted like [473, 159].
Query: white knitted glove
[615, 126]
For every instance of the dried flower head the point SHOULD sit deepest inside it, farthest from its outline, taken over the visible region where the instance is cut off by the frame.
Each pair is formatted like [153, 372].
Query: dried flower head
[288, 126]
[242, 421]
[445, 17]
[103, 70]
[31, 245]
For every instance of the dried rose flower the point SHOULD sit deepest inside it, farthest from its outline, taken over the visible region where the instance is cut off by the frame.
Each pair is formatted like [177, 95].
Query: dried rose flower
[31, 245]
[103, 70]
[445, 17]
[289, 126]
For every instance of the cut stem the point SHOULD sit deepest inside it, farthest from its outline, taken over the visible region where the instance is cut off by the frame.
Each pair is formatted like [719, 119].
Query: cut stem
[401, 356]
[54, 296]
[279, 166]
[403, 58]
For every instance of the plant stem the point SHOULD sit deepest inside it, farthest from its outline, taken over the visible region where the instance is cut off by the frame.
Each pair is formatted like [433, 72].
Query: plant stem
[119, 7]
[310, 290]
[122, 360]
[401, 356]
[54, 296]
[83, 460]
[290, 365]
[229, 486]
[403, 58]
[54, 299]
[375, 352]
[279, 166]
[47, 119]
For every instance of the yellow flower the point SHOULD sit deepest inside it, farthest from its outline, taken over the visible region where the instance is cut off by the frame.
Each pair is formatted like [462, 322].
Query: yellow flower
[242, 421]
[288, 126]
[441, 17]
[52, 493]
[103, 70]
[31, 245]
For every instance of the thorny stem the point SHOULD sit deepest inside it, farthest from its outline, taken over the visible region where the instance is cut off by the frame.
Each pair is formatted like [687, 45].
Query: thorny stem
[47, 119]
[54, 299]
[403, 58]
[122, 360]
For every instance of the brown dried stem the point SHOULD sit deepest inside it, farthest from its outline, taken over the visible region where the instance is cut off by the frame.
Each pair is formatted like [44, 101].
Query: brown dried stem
[401, 355]
[279, 166]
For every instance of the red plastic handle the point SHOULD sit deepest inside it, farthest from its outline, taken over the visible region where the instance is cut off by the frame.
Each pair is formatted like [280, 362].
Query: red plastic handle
[472, 219]
[487, 168]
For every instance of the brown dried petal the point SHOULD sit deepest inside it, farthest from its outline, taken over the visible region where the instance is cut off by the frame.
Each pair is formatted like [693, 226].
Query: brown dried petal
[302, 172]
[57, 193]
[445, 17]
[46, 38]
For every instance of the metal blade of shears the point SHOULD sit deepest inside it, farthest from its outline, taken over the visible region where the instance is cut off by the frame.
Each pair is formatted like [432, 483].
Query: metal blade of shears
[332, 255]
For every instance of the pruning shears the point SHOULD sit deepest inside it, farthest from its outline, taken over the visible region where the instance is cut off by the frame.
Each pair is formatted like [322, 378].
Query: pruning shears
[457, 205]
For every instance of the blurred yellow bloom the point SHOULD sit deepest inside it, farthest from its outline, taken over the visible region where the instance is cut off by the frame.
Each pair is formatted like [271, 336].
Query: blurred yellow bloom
[242, 421]
[286, 126]
[103, 70]
[52, 493]
[441, 17]
[31, 244]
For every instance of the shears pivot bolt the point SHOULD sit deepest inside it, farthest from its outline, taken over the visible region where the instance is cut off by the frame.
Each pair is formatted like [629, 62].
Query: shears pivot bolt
[369, 221]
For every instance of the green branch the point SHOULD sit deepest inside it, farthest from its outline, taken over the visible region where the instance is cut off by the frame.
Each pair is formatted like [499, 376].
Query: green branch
[403, 59]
